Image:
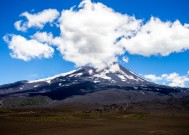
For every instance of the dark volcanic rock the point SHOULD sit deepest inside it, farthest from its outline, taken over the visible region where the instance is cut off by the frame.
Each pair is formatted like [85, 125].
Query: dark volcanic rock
[114, 84]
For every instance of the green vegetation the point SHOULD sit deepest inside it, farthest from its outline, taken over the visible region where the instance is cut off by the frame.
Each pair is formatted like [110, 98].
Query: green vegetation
[30, 101]
[49, 115]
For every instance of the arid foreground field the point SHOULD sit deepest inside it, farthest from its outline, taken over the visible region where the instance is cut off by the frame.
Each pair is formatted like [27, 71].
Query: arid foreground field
[138, 119]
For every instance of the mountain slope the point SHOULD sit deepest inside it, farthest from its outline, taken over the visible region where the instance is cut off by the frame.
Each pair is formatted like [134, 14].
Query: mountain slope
[86, 84]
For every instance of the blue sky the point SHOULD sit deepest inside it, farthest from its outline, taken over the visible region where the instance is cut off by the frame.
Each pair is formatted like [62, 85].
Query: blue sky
[13, 69]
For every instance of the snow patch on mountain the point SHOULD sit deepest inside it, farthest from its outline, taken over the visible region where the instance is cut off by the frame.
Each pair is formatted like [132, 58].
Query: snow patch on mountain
[113, 75]
[121, 77]
[49, 79]
[91, 72]
[103, 76]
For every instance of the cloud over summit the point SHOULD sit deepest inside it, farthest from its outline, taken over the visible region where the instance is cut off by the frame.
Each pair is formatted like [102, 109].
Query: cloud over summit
[94, 34]
[90, 34]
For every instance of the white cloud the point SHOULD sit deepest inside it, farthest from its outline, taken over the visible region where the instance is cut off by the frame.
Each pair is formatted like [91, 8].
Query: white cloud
[90, 34]
[18, 26]
[27, 49]
[48, 38]
[37, 20]
[158, 38]
[125, 59]
[43, 37]
[152, 77]
[94, 34]
[173, 79]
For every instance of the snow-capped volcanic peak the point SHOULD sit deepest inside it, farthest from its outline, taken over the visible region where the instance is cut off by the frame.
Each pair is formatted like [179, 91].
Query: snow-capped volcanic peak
[83, 80]
[104, 73]
[115, 68]
[48, 80]
[113, 75]
[116, 71]
[87, 80]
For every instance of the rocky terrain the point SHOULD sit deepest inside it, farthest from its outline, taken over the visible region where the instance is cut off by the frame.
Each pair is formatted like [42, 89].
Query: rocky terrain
[112, 85]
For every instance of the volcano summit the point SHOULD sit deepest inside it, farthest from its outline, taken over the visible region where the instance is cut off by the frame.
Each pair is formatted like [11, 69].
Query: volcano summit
[114, 84]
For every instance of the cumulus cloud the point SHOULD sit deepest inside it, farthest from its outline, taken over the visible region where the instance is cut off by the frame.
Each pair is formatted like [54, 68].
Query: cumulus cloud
[158, 38]
[37, 20]
[48, 38]
[27, 49]
[91, 33]
[152, 77]
[43, 37]
[125, 59]
[94, 34]
[173, 79]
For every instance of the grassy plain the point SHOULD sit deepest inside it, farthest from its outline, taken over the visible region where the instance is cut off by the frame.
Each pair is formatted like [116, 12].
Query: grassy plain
[69, 121]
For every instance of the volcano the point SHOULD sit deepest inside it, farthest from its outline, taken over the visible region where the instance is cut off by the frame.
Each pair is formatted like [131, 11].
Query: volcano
[114, 84]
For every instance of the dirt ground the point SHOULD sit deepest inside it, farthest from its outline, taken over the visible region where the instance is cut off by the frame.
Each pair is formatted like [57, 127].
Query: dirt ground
[60, 122]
